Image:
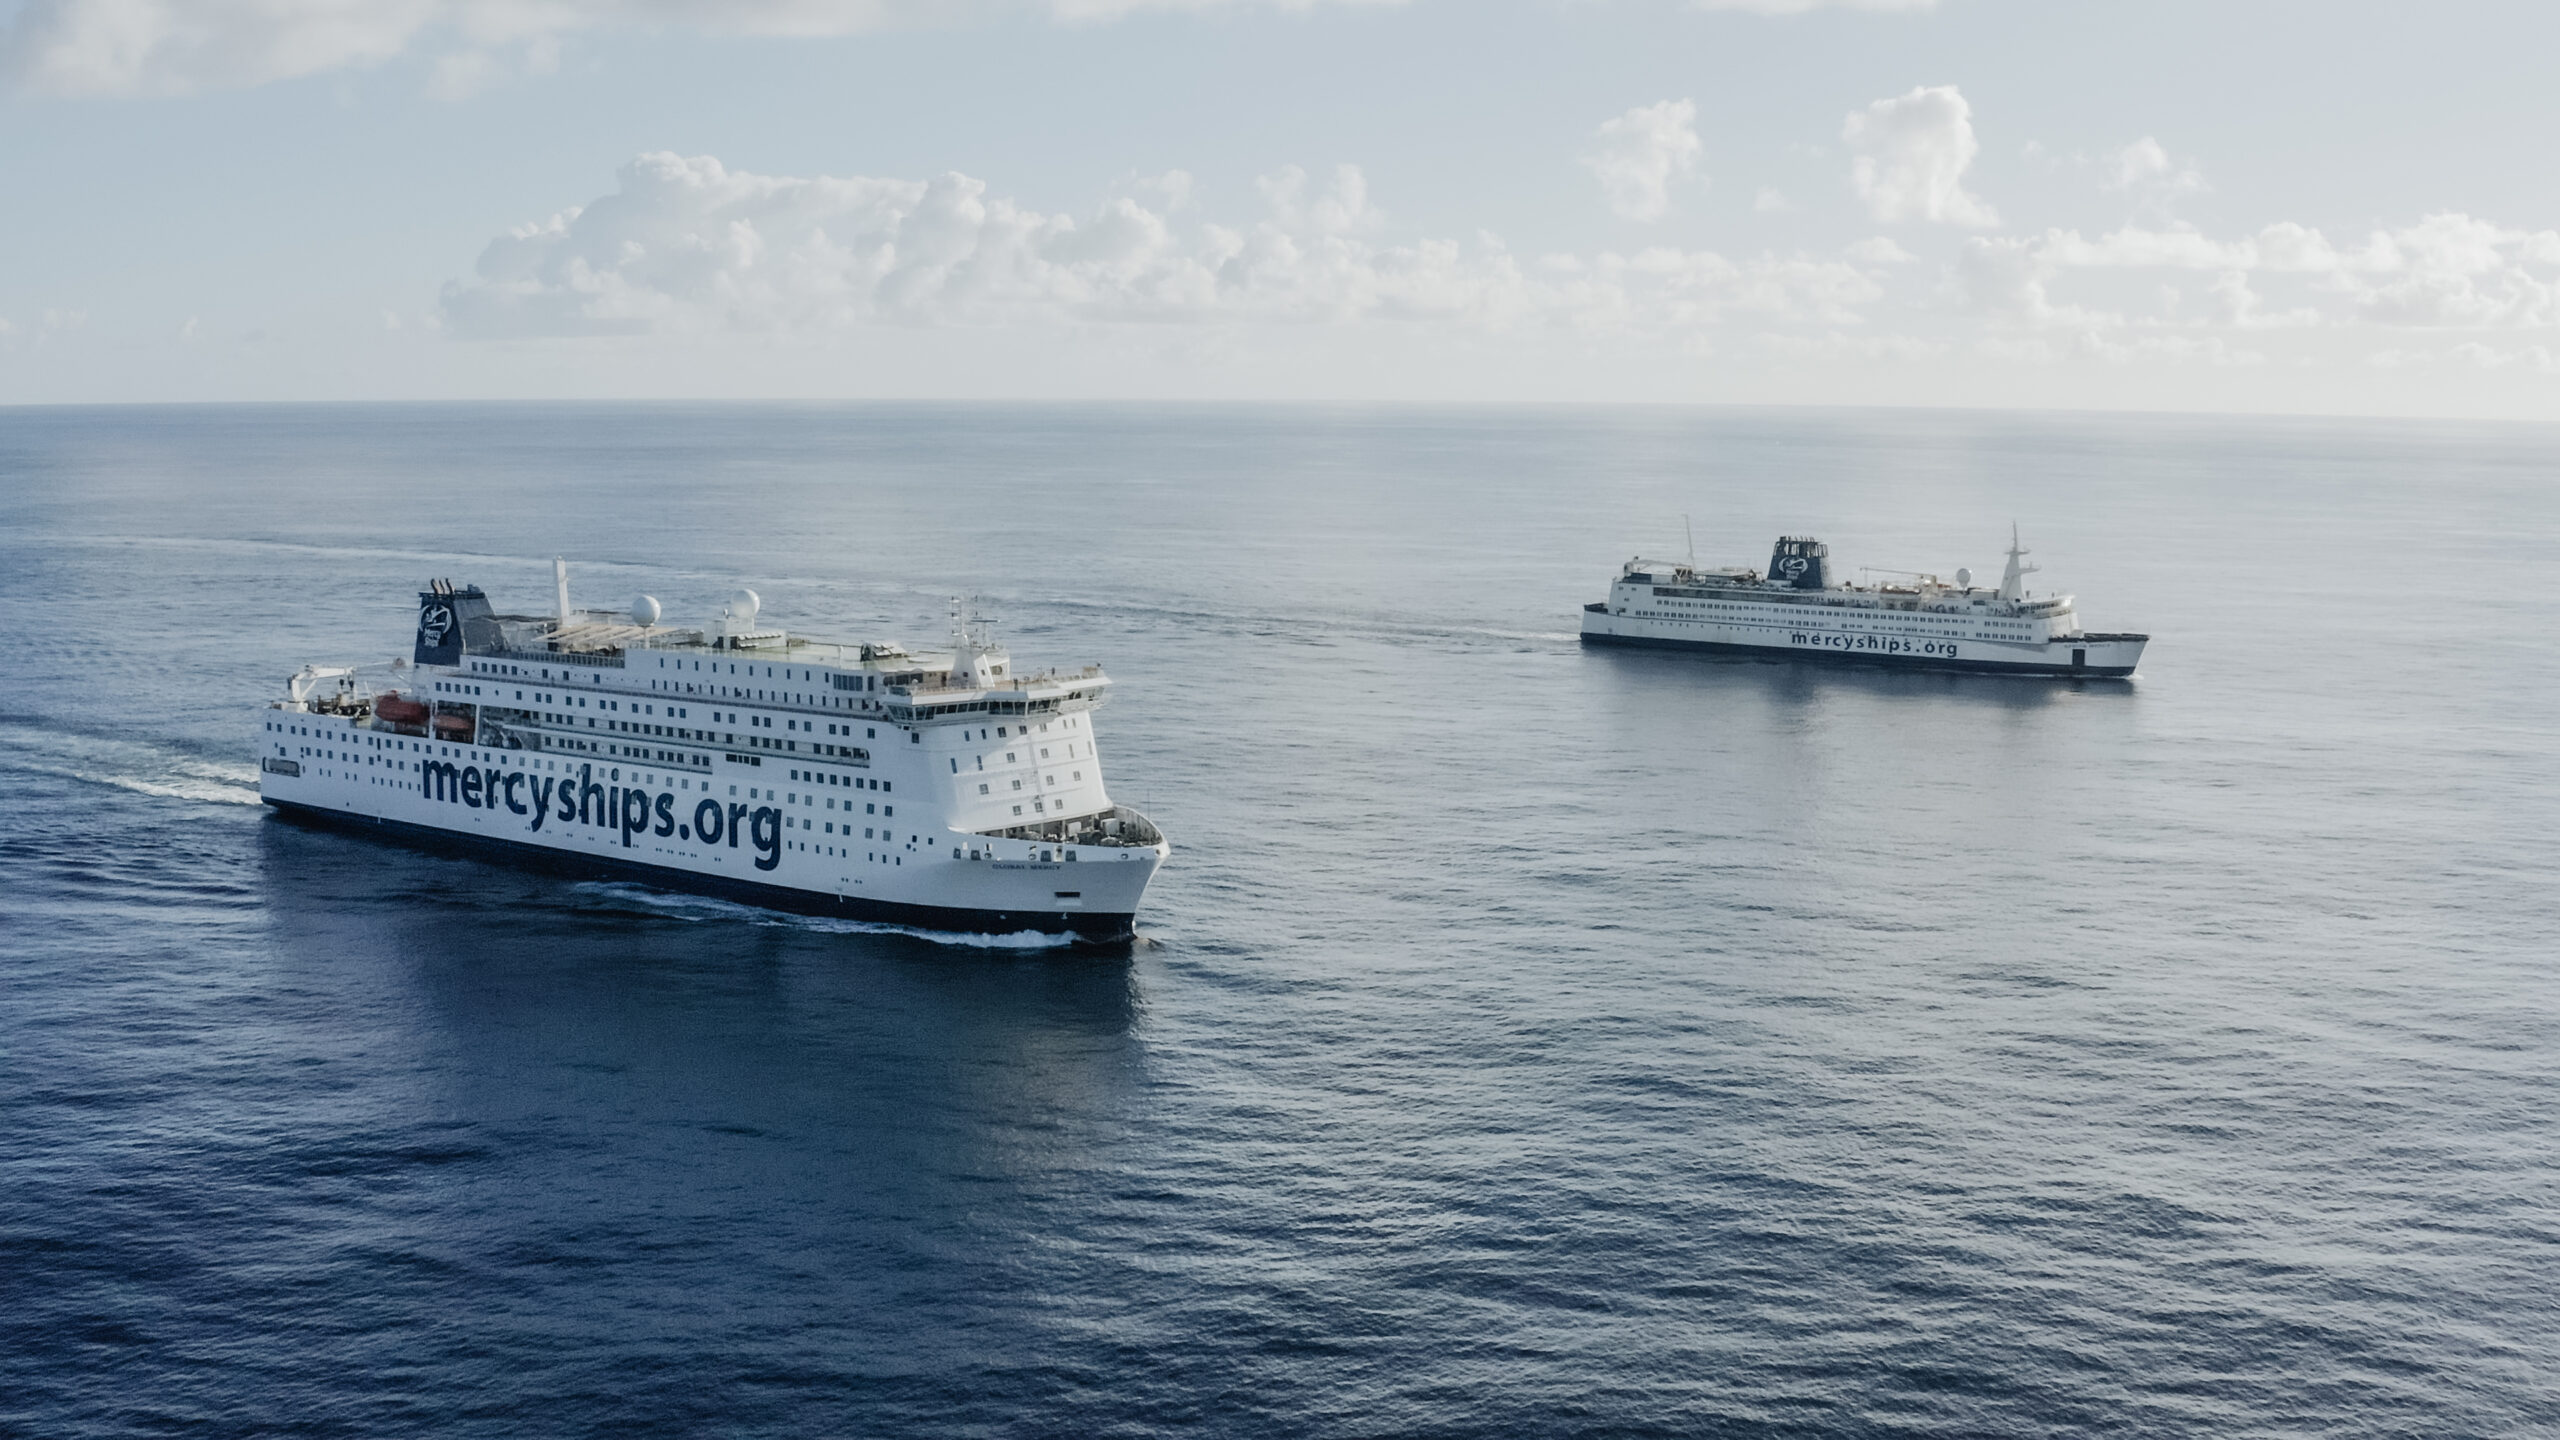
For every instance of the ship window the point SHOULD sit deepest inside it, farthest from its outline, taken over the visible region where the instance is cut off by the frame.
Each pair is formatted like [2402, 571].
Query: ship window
[1017, 809]
[982, 789]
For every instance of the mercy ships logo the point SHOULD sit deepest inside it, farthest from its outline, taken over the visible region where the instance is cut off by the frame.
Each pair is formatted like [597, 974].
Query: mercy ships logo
[582, 800]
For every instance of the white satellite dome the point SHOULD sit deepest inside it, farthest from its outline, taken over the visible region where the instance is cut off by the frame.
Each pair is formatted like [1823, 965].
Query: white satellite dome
[1964, 578]
[742, 607]
[645, 610]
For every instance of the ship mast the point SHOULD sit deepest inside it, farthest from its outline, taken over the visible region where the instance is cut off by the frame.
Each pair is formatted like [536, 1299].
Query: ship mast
[2013, 581]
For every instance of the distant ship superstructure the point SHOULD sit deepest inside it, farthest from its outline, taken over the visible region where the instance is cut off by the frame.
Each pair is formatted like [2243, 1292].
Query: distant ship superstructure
[944, 790]
[1794, 609]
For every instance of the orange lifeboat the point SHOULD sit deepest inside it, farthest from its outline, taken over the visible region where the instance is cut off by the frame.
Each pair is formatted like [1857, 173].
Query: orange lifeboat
[400, 710]
[454, 727]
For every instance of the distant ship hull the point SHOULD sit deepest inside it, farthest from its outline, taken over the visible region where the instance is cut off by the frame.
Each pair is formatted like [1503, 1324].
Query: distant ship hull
[2109, 657]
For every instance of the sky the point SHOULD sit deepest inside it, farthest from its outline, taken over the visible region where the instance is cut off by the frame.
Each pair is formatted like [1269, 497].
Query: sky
[2248, 205]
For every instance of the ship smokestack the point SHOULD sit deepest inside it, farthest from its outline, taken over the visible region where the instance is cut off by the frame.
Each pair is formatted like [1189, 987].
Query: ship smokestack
[1797, 561]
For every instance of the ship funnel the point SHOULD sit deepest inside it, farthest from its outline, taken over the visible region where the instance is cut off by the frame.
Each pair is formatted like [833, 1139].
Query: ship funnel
[443, 612]
[1798, 561]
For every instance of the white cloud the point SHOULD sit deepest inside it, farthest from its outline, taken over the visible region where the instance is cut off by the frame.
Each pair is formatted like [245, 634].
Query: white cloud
[2242, 308]
[161, 47]
[2206, 349]
[1641, 153]
[1912, 152]
[2449, 270]
[1770, 202]
[2471, 355]
[688, 246]
[1879, 250]
[2002, 278]
[2145, 164]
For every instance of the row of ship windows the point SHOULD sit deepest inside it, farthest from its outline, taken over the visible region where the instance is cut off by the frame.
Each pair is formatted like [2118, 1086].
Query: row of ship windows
[538, 764]
[2008, 625]
[494, 667]
[847, 854]
[857, 682]
[528, 762]
[869, 807]
[1053, 780]
[858, 782]
[1069, 723]
[764, 721]
[1987, 624]
[1010, 757]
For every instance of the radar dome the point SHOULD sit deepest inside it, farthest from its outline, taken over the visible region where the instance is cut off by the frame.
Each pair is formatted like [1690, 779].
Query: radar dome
[1964, 578]
[645, 610]
[742, 607]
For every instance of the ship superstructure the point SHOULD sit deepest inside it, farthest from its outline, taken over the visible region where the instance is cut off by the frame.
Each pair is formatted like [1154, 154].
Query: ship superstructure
[1794, 608]
[941, 789]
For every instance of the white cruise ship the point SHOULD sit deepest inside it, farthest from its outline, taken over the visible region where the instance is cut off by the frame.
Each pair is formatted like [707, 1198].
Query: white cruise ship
[940, 790]
[1918, 620]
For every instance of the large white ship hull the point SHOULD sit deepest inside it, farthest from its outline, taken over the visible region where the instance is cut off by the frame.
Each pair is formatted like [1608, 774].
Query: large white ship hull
[594, 821]
[1866, 637]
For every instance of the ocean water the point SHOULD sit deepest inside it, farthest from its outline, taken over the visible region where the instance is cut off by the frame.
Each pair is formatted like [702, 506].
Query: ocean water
[1523, 1041]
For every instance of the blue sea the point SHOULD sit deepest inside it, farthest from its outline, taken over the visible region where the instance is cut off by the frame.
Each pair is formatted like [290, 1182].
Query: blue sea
[1522, 1040]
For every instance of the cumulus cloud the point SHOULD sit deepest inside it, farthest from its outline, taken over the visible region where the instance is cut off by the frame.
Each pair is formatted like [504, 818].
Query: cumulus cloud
[1912, 151]
[161, 47]
[687, 245]
[2449, 270]
[2145, 164]
[2003, 278]
[1640, 154]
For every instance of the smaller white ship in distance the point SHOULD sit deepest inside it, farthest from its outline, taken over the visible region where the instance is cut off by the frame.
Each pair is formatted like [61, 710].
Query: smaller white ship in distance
[1918, 620]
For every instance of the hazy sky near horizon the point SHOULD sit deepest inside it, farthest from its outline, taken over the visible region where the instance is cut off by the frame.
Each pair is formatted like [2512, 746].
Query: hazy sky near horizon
[2281, 206]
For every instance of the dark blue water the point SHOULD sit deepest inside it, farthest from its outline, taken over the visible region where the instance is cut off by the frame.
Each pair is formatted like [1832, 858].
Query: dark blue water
[1524, 1041]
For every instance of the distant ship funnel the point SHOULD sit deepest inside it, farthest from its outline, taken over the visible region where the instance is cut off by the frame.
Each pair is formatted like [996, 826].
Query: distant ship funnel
[1798, 561]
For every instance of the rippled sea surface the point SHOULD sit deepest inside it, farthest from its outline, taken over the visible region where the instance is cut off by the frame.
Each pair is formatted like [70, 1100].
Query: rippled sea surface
[1523, 1040]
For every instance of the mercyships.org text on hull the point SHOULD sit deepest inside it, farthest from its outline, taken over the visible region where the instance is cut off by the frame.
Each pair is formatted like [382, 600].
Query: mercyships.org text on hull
[1794, 610]
[943, 791]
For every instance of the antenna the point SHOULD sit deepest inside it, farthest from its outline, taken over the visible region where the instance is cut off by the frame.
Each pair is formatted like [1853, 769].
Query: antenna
[560, 584]
[2013, 580]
